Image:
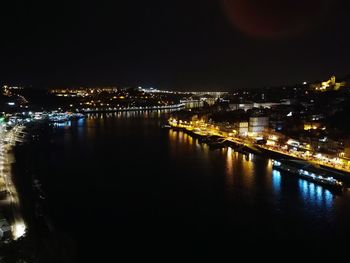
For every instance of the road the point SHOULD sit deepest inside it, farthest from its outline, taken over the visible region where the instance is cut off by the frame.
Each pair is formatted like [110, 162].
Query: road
[11, 202]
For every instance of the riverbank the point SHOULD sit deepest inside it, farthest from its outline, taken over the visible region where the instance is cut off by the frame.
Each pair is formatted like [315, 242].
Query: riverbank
[11, 138]
[218, 141]
[132, 180]
[41, 241]
[146, 108]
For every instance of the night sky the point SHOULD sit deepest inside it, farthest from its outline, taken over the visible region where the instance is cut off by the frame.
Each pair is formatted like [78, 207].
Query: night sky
[173, 44]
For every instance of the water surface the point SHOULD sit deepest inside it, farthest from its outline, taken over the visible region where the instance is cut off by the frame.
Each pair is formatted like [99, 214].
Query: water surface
[119, 181]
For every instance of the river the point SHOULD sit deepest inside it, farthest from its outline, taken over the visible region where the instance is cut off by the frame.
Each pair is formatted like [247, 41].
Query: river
[118, 182]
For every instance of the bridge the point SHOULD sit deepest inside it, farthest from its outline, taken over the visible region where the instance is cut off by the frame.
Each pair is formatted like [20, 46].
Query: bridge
[215, 94]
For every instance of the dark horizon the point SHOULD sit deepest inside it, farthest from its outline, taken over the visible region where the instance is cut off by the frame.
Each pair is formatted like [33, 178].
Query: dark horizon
[174, 45]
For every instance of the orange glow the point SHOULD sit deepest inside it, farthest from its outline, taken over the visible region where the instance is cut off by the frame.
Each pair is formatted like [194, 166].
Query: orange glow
[270, 142]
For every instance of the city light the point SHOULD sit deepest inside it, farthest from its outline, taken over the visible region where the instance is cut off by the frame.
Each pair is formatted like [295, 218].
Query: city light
[19, 230]
[206, 126]
[291, 148]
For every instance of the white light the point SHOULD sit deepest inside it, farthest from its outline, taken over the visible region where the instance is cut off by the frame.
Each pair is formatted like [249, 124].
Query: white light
[276, 163]
[19, 230]
[11, 103]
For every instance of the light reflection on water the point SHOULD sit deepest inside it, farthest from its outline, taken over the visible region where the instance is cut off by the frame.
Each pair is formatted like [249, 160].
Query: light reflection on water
[276, 180]
[81, 122]
[131, 114]
[229, 166]
[193, 183]
[316, 195]
[247, 170]
[245, 167]
[229, 160]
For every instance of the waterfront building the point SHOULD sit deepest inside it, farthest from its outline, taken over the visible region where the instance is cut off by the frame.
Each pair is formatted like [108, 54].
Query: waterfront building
[250, 105]
[347, 149]
[268, 105]
[258, 124]
[241, 128]
[241, 106]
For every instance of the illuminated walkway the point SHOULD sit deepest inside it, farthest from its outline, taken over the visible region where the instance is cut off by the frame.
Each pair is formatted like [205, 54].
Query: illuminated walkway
[318, 162]
[7, 141]
[205, 129]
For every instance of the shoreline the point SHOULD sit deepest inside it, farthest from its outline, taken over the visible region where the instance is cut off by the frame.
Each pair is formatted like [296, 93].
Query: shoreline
[39, 229]
[152, 108]
[244, 148]
[12, 202]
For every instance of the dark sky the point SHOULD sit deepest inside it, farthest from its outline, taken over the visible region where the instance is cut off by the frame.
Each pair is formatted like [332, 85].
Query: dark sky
[173, 44]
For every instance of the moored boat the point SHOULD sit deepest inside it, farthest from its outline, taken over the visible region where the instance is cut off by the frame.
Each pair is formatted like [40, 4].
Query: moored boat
[308, 172]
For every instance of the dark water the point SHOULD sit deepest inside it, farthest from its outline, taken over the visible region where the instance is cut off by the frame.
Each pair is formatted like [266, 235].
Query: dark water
[120, 183]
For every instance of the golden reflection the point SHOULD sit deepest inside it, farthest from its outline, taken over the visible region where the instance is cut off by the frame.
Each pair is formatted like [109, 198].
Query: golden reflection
[180, 136]
[190, 140]
[248, 170]
[90, 131]
[269, 164]
[172, 135]
[175, 137]
[229, 166]
[272, 177]
[205, 148]
[185, 137]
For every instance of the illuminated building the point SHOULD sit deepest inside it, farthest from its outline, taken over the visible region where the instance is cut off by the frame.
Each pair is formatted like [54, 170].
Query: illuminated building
[269, 105]
[241, 128]
[330, 84]
[258, 124]
[250, 105]
[241, 106]
[346, 152]
[81, 92]
[311, 126]
[215, 94]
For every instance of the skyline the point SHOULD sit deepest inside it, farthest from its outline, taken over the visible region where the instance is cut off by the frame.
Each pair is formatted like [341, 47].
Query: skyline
[176, 46]
[173, 127]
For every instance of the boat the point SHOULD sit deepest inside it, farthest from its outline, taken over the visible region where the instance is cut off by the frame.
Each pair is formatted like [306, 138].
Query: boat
[308, 172]
[165, 126]
[58, 117]
[76, 116]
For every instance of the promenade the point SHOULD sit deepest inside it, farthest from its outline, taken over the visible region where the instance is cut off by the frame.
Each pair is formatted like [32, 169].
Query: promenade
[204, 129]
